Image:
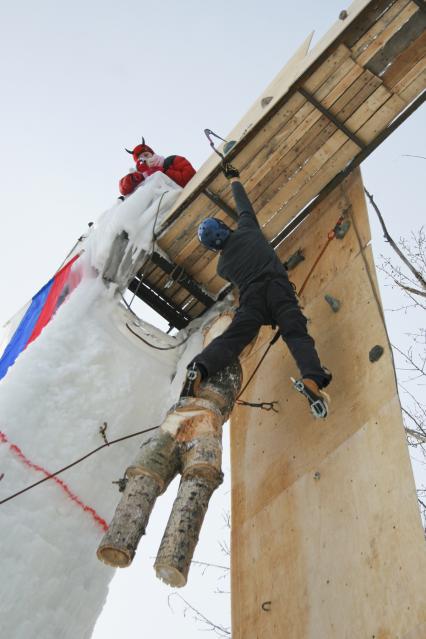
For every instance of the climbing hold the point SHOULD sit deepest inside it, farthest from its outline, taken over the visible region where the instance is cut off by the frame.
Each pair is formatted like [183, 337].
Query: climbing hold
[265, 101]
[375, 353]
[294, 260]
[228, 146]
[341, 229]
[317, 475]
[334, 303]
[266, 606]
[343, 15]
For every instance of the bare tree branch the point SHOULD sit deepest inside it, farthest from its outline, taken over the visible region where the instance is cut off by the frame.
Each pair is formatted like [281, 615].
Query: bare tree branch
[395, 247]
[414, 291]
[220, 631]
[205, 563]
[408, 155]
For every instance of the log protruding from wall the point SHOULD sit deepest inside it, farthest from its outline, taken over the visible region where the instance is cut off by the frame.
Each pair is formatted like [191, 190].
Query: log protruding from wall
[188, 442]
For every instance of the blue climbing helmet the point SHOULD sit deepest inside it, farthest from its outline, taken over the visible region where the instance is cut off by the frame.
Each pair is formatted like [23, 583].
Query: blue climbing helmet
[213, 233]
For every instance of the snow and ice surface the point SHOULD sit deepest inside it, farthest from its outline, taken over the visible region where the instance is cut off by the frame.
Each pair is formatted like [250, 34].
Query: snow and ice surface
[85, 369]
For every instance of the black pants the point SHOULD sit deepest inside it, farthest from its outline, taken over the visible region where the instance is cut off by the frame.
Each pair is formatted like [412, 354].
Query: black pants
[265, 303]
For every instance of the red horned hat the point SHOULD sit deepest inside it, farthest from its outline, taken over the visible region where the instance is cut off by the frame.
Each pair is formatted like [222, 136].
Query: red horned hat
[140, 148]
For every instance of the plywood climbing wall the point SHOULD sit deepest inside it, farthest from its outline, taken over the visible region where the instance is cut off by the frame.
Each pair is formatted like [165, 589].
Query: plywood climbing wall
[327, 541]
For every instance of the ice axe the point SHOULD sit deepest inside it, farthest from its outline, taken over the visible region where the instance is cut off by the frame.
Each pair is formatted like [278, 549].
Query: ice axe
[228, 144]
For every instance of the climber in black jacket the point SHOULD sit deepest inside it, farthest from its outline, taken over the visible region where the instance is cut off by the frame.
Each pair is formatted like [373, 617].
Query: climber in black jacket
[266, 298]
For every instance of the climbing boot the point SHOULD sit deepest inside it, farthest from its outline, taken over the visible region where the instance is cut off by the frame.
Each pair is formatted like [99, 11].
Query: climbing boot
[192, 381]
[328, 377]
[316, 397]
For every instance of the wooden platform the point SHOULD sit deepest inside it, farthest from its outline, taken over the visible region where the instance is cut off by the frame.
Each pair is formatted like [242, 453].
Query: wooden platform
[325, 112]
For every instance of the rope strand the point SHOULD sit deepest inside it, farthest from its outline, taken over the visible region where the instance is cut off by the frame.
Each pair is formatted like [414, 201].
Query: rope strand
[74, 463]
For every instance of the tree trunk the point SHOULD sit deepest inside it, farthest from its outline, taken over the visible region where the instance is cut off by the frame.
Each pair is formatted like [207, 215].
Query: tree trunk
[183, 529]
[119, 543]
[158, 457]
[154, 468]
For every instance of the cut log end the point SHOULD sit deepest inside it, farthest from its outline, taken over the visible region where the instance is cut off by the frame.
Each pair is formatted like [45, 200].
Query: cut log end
[115, 557]
[118, 545]
[170, 575]
[182, 531]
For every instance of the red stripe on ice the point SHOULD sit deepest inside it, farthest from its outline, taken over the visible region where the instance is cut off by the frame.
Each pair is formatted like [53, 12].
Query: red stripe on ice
[88, 509]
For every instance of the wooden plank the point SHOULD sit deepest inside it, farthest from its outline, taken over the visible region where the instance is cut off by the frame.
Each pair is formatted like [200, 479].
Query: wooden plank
[185, 226]
[327, 69]
[366, 123]
[355, 95]
[207, 268]
[289, 135]
[415, 88]
[372, 104]
[343, 107]
[196, 310]
[158, 278]
[367, 18]
[404, 64]
[378, 27]
[339, 56]
[302, 186]
[408, 79]
[283, 212]
[249, 122]
[290, 132]
[303, 142]
[387, 33]
[398, 43]
[298, 194]
[319, 512]
[381, 118]
[362, 114]
[312, 235]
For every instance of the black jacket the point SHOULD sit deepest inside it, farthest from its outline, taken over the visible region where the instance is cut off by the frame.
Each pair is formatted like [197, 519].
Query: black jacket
[247, 255]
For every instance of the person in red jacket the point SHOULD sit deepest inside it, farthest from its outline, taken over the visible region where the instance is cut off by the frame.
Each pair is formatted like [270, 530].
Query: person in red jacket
[148, 162]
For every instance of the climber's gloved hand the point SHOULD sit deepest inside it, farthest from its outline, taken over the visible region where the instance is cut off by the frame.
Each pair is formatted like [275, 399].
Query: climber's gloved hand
[229, 171]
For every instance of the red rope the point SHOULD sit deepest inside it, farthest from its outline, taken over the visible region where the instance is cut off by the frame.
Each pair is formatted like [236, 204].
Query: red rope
[88, 509]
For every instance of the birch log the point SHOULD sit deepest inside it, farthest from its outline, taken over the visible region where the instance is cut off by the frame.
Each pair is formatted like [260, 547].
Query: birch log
[222, 388]
[200, 435]
[119, 543]
[183, 529]
[154, 468]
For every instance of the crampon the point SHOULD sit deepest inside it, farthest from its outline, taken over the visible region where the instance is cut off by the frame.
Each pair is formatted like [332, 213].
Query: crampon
[318, 402]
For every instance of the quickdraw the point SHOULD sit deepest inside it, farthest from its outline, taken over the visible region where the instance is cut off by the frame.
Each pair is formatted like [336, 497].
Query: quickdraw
[262, 405]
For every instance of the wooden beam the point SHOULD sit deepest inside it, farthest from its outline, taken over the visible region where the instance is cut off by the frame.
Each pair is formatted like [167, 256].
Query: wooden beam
[179, 275]
[348, 169]
[155, 299]
[221, 204]
[340, 125]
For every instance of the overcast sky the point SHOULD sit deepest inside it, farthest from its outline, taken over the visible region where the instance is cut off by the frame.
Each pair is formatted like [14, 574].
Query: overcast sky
[82, 80]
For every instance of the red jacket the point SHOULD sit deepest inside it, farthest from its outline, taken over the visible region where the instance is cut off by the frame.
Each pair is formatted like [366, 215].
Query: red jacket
[175, 166]
[178, 169]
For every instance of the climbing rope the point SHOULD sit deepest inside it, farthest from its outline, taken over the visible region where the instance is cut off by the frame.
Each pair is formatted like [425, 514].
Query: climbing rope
[330, 236]
[3, 439]
[72, 496]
